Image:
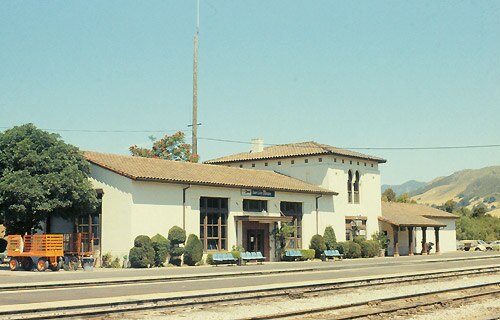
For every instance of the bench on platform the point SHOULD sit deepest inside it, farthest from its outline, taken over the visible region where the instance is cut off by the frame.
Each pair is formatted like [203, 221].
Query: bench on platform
[252, 256]
[331, 254]
[293, 255]
[224, 258]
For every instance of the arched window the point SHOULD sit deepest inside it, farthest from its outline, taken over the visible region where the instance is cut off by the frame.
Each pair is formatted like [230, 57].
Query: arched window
[356, 188]
[349, 187]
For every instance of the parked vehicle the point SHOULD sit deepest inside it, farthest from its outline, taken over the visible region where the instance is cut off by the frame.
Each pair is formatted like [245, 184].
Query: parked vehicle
[474, 245]
[40, 251]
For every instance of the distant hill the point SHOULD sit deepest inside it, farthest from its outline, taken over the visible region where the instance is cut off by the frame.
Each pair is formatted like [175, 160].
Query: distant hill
[467, 187]
[408, 186]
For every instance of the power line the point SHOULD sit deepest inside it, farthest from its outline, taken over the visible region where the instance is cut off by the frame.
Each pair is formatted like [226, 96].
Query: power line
[105, 131]
[371, 148]
[271, 144]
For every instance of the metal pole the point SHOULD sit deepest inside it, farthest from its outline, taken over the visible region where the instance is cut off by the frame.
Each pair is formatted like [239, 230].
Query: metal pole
[195, 82]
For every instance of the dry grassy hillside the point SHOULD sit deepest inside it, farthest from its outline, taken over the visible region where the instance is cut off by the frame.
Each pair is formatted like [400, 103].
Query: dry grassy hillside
[466, 187]
[495, 213]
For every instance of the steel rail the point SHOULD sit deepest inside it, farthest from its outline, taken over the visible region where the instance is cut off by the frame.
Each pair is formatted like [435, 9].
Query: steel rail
[388, 310]
[251, 294]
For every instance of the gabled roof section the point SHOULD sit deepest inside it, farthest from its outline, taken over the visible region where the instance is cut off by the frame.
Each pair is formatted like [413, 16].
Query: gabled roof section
[146, 169]
[410, 214]
[294, 150]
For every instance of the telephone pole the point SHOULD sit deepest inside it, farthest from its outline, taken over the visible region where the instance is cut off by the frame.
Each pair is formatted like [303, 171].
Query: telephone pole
[195, 82]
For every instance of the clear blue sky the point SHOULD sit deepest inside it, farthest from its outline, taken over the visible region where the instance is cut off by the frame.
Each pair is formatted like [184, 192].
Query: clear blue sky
[344, 73]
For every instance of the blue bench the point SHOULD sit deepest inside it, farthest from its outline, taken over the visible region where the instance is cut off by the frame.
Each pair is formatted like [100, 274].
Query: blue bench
[224, 258]
[293, 255]
[252, 256]
[332, 254]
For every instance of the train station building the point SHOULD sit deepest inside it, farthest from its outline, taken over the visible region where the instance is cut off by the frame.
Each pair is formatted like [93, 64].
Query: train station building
[241, 200]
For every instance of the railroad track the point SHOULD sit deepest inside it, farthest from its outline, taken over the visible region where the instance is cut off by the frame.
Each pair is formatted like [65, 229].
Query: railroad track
[386, 306]
[239, 295]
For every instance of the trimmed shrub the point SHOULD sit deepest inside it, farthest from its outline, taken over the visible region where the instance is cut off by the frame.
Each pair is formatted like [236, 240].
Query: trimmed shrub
[161, 246]
[369, 248]
[350, 249]
[308, 254]
[330, 239]
[318, 244]
[141, 257]
[176, 236]
[142, 241]
[236, 254]
[193, 250]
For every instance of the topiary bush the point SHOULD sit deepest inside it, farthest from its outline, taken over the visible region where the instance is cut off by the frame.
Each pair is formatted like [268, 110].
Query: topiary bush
[308, 254]
[142, 241]
[161, 246]
[176, 236]
[350, 249]
[370, 248]
[209, 259]
[318, 244]
[193, 250]
[330, 239]
[142, 255]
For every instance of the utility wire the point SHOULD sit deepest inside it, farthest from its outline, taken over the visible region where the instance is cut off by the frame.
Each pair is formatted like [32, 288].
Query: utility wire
[269, 144]
[106, 131]
[371, 148]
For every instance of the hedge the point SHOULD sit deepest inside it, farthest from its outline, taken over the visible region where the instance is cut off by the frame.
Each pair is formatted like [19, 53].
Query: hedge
[350, 249]
[370, 248]
[308, 254]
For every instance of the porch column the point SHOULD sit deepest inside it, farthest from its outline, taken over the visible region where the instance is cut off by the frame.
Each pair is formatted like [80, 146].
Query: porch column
[395, 230]
[424, 240]
[410, 241]
[436, 236]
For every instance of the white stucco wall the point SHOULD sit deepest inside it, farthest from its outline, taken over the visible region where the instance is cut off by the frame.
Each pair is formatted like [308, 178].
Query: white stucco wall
[131, 208]
[331, 173]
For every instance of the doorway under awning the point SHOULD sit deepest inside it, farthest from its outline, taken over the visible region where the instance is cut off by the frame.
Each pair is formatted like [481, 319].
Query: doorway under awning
[253, 232]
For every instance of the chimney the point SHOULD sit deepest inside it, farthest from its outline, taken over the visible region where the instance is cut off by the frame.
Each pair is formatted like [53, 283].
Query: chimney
[257, 145]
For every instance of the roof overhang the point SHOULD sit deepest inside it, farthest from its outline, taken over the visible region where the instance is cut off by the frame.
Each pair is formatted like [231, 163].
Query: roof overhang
[430, 223]
[263, 219]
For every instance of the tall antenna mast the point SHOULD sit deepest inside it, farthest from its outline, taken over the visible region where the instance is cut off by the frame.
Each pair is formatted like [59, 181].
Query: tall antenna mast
[195, 82]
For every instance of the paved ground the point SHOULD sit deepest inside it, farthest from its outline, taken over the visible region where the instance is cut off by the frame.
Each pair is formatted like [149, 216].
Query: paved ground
[319, 271]
[26, 277]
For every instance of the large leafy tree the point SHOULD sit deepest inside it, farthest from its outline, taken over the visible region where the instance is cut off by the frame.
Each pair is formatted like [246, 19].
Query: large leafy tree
[41, 176]
[171, 147]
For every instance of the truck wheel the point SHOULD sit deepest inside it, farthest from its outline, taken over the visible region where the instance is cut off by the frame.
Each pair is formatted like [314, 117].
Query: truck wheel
[13, 264]
[41, 264]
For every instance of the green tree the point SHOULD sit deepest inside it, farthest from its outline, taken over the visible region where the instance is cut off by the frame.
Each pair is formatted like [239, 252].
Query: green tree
[40, 177]
[330, 239]
[171, 147]
[389, 195]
